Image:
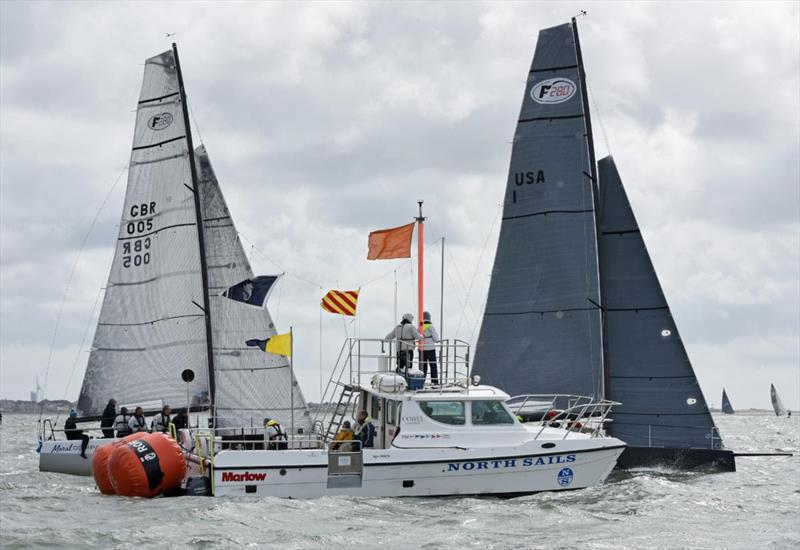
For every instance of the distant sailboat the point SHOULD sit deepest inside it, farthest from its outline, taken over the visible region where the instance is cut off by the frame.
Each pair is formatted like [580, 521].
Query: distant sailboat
[777, 404]
[727, 408]
[575, 305]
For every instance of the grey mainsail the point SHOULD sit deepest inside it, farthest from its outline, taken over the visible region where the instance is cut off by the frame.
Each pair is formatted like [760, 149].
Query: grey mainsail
[541, 330]
[777, 404]
[250, 384]
[727, 408]
[150, 326]
[649, 371]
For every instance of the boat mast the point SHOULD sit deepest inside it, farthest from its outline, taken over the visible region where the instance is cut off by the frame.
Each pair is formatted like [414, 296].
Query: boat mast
[587, 120]
[200, 234]
[420, 263]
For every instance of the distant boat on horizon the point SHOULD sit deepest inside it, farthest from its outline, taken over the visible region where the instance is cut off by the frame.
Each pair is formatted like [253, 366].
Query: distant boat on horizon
[727, 408]
[777, 404]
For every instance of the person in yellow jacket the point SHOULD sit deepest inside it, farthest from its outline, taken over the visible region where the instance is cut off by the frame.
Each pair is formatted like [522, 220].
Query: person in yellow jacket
[345, 433]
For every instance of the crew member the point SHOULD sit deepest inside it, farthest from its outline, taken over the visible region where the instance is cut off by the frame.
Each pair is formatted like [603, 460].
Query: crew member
[109, 414]
[365, 431]
[121, 423]
[161, 421]
[181, 420]
[430, 336]
[137, 423]
[72, 431]
[406, 335]
[344, 434]
[274, 435]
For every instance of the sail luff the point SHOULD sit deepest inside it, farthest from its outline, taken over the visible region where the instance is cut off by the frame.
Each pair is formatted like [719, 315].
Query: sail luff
[777, 404]
[200, 234]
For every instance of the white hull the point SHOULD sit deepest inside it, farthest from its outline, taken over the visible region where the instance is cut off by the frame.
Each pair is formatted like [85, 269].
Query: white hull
[419, 472]
[64, 457]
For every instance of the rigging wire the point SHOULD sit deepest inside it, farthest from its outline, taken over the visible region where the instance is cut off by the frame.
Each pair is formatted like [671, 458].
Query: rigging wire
[478, 263]
[69, 281]
[599, 118]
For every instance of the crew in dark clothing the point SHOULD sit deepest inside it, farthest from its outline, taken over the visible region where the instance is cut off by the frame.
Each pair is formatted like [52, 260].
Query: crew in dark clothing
[72, 431]
[365, 430]
[181, 420]
[109, 414]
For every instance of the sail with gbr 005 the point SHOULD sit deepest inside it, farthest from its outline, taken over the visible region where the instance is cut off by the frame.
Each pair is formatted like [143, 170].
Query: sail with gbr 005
[152, 323]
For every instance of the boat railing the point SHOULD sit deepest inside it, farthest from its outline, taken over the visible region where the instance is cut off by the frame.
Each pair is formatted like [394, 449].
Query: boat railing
[572, 413]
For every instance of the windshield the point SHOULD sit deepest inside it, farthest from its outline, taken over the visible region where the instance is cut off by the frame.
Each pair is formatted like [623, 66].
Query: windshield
[446, 412]
[490, 412]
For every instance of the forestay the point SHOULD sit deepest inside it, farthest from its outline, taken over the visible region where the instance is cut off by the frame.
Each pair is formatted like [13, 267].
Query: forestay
[250, 384]
[151, 325]
[541, 331]
[649, 372]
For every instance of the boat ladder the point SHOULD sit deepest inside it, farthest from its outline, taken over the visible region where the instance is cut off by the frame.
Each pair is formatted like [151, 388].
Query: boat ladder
[346, 398]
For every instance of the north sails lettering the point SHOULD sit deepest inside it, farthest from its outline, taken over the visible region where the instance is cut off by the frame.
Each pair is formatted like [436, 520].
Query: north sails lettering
[247, 476]
[526, 462]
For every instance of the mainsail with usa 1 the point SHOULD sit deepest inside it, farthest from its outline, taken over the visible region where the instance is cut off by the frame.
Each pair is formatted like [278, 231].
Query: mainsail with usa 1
[181, 294]
[575, 305]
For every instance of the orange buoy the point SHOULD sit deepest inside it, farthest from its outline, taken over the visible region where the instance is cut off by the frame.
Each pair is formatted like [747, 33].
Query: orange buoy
[100, 458]
[147, 466]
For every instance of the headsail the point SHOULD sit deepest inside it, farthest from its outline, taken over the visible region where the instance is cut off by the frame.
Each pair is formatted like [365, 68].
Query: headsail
[541, 331]
[777, 404]
[727, 408]
[151, 324]
[649, 371]
[250, 384]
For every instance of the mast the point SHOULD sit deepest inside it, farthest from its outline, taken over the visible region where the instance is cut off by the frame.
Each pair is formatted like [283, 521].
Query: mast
[420, 260]
[595, 189]
[200, 233]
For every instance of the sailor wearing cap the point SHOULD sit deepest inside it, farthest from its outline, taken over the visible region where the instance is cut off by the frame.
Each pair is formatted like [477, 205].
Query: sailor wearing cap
[72, 431]
[274, 435]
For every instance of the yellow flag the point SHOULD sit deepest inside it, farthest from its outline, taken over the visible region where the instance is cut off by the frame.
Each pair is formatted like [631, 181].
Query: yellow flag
[280, 344]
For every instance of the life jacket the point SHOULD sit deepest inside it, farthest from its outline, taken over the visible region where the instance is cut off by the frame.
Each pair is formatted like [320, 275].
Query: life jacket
[280, 434]
[139, 424]
[121, 425]
[160, 423]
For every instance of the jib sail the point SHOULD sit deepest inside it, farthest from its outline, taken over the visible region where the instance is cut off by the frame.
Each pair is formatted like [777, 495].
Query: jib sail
[250, 384]
[649, 371]
[541, 330]
[727, 408]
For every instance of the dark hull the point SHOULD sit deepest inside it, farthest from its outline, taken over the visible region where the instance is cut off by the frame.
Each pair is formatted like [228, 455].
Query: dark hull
[683, 459]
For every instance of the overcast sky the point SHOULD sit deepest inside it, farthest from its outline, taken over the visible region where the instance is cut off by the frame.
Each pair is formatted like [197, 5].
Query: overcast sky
[325, 121]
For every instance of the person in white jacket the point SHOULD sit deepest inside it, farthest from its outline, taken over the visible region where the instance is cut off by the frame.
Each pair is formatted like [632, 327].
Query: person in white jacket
[430, 336]
[406, 335]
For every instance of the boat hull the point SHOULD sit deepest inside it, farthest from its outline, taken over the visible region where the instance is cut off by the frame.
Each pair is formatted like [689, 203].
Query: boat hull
[64, 457]
[417, 472]
[685, 459]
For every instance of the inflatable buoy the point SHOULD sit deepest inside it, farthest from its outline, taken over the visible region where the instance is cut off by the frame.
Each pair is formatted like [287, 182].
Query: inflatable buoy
[146, 467]
[100, 458]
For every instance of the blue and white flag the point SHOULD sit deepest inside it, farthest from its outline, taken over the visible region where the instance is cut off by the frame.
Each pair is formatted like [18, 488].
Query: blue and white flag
[252, 291]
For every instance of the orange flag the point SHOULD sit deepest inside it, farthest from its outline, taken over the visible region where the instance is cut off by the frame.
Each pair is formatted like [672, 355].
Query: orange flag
[343, 302]
[386, 244]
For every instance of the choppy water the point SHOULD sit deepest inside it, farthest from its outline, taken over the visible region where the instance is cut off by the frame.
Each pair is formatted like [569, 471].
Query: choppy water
[756, 507]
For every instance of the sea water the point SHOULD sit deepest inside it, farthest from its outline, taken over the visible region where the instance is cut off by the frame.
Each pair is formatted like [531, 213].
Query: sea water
[756, 507]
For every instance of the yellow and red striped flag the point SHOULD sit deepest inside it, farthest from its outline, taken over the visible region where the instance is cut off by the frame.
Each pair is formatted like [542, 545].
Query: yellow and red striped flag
[342, 302]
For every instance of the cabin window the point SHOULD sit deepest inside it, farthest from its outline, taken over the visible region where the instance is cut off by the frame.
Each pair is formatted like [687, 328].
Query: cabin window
[391, 412]
[375, 411]
[490, 412]
[446, 412]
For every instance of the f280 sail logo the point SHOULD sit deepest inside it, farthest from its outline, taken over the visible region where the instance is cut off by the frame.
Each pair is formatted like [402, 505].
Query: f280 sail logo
[160, 121]
[553, 90]
[247, 476]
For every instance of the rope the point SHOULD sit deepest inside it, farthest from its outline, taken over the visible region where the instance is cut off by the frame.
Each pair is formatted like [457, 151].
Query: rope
[599, 118]
[478, 264]
[69, 283]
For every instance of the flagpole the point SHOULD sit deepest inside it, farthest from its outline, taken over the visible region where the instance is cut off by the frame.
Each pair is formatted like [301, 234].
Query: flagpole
[420, 263]
[291, 377]
[441, 296]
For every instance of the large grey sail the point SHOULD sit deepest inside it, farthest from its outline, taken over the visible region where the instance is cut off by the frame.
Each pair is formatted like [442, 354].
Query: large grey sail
[250, 384]
[541, 330]
[150, 327]
[777, 404]
[649, 371]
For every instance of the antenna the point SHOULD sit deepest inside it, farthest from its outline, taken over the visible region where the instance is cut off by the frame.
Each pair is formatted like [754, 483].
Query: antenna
[168, 34]
[581, 13]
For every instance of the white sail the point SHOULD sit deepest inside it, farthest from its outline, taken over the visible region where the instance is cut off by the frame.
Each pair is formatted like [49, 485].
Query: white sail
[250, 385]
[777, 404]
